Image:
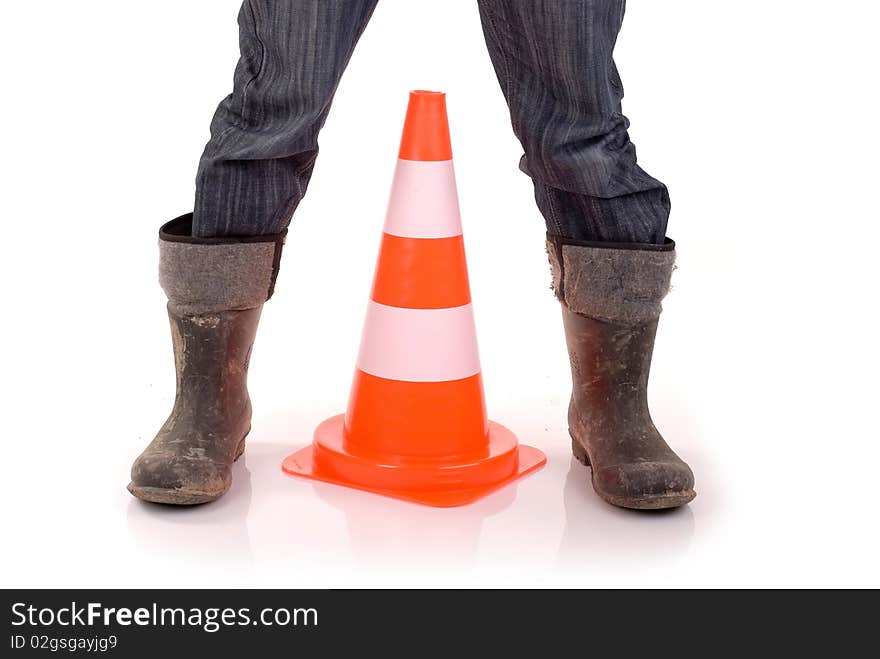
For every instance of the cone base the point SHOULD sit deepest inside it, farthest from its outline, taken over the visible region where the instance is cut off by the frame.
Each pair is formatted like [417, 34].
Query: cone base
[428, 482]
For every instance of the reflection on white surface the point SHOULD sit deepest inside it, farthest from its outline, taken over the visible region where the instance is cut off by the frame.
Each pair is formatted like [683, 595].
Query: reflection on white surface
[389, 532]
[215, 533]
[275, 530]
[304, 531]
[320, 521]
[597, 533]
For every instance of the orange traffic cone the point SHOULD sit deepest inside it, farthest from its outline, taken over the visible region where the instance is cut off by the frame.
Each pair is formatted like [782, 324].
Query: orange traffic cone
[416, 425]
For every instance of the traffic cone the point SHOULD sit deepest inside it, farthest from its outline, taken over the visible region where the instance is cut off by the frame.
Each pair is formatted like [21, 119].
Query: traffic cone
[416, 425]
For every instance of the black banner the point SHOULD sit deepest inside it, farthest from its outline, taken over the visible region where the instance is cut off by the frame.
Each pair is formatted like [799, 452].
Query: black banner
[164, 623]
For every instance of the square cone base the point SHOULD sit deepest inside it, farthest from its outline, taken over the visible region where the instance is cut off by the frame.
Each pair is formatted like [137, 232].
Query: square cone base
[427, 482]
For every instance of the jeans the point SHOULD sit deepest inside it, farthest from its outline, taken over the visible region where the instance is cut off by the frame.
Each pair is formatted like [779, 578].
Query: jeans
[553, 59]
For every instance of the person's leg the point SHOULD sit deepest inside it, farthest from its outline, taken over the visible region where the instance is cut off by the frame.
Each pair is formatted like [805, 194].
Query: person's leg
[555, 63]
[606, 223]
[264, 137]
[218, 265]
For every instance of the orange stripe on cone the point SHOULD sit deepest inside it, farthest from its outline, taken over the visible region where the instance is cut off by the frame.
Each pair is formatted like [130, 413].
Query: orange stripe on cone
[416, 425]
[421, 273]
[450, 417]
[426, 129]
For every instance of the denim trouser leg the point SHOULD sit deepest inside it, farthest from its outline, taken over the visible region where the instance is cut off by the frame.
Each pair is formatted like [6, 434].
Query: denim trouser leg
[264, 136]
[554, 60]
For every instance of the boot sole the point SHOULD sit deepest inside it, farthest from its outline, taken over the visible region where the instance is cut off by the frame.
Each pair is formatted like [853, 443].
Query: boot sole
[653, 502]
[182, 497]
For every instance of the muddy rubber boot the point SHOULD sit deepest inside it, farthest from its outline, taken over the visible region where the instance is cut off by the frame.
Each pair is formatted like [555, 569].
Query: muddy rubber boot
[216, 289]
[611, 298]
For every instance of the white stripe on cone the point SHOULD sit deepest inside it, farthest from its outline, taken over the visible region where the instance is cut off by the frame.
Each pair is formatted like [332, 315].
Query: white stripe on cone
[419, 345]
[424, 201]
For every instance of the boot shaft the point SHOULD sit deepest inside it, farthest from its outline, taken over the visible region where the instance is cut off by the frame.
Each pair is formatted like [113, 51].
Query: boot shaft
[211, 356]
[610, 366]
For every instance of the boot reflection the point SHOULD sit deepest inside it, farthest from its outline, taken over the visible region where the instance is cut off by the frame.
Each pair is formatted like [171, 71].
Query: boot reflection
[208, 535]
[598, 532]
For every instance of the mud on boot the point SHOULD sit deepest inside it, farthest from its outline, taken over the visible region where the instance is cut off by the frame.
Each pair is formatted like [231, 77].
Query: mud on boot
[611, 297]
[190, 460]
[216, 288]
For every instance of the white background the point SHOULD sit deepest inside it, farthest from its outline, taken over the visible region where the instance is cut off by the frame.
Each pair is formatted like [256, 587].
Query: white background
[760, 116]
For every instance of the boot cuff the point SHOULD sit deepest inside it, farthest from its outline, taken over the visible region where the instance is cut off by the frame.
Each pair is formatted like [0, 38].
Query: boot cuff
[616, 282]
[209, 275]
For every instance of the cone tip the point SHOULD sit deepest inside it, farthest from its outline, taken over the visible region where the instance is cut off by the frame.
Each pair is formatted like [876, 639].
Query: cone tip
[426, 130]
